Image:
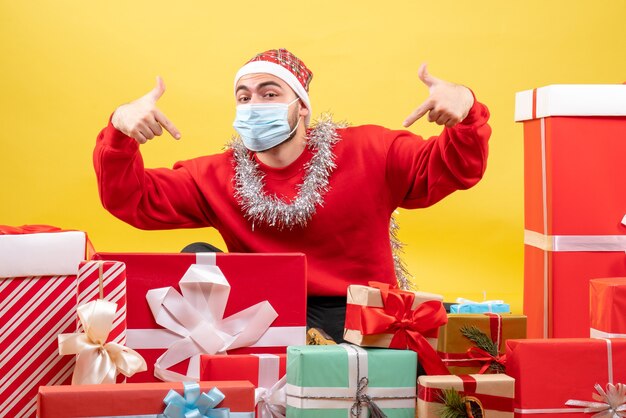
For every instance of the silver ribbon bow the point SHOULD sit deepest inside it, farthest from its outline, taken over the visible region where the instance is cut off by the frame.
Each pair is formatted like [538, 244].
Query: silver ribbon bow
[610, 403]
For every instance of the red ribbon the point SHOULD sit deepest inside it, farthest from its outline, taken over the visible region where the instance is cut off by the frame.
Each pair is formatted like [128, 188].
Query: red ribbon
[27, 229]
[410, 327]
[475, 354]
[490, 402]
[478, 354]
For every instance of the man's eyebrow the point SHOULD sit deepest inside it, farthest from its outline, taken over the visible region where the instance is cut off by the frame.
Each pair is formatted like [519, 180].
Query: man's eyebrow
[270, 83]
[260, 86]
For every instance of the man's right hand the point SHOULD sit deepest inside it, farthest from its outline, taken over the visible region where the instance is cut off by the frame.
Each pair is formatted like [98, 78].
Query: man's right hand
[141, 119]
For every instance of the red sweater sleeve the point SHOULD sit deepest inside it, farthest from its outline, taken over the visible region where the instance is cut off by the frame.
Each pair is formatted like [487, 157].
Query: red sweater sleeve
[145, 198]
[422, 172]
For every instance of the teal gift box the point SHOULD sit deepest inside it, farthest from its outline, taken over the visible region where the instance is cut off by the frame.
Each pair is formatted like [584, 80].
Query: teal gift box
[341, 381]
[471, 307]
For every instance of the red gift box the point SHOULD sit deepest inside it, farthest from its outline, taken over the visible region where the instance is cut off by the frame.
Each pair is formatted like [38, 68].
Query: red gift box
[254, 278]
[37, 302]
[607, 299]
[573, 198]
[132, 399]
[550, 372]
[262, 370]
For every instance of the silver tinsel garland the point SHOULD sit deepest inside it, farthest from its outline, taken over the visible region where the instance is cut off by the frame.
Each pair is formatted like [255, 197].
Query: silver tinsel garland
[261, 208]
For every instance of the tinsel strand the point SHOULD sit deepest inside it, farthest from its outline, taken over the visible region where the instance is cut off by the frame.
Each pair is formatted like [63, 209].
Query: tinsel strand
[397, 248]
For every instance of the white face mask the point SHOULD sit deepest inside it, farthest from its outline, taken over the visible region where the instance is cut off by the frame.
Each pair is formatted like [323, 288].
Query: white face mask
[263, 125]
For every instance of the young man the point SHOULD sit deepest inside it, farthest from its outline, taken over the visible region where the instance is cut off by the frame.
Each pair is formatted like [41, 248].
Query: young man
[283, 186]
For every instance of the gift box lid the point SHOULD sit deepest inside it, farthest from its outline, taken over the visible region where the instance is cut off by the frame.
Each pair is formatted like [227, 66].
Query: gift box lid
[571, 100]
[41, 254]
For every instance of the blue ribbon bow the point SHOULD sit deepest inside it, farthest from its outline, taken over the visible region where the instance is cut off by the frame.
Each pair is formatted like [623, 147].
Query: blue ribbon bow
[195, 404]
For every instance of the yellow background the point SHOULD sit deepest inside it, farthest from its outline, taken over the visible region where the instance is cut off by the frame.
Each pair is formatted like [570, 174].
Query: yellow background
[66, 65]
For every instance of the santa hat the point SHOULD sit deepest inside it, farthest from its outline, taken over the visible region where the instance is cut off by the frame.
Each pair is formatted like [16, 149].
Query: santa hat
[286, 66]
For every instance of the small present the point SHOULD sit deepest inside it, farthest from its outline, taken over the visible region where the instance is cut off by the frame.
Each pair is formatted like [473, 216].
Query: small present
[173, 293]
[380, 316]
[490, 395]
[470, 306]
[608, 307]
[475, 343]
[556, 375]
[265, 371]
[347, 380]
[38, 266]
[98, 361]
[233, 399]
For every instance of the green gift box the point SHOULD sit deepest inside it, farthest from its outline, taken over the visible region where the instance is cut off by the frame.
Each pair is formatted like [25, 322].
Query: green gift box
[343, 381]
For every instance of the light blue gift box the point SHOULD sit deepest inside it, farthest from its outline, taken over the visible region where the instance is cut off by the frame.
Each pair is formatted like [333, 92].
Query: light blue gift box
[325, 381]
[471, 307]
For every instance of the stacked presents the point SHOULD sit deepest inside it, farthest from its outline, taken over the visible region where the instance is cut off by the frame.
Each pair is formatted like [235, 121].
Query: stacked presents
[224, 335]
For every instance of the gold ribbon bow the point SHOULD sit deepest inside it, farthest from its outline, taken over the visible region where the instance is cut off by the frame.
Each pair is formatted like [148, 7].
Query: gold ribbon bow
[96, 360]
[611, 403]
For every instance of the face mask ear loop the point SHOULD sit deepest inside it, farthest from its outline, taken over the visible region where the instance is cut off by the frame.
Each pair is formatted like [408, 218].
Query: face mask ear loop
[295, 127]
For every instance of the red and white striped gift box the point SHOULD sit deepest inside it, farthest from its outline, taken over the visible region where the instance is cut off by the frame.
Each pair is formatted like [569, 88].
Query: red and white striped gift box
[104, 280]
[35, 307]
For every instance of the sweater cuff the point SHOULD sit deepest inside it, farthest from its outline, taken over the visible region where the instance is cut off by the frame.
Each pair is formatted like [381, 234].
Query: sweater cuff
[117, 140]
[475, 112]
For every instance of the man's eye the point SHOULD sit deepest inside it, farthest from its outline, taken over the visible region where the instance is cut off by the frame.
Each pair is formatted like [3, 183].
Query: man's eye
[271, 95]
[243, 99]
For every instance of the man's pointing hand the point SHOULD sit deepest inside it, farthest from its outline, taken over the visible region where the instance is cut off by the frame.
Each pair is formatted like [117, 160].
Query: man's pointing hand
[141, 119]
[447, 104]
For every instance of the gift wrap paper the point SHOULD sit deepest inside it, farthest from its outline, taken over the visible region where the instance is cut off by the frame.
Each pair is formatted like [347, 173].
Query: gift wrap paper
[574, 201]
[283, 284]
[366, 296]
[607, 300]
[262, 370]
[322, 381]
[494, 391]
[34, 309]
[133, 399]
[469, 307]
[549, 372]
[243, 367]
[453, 345]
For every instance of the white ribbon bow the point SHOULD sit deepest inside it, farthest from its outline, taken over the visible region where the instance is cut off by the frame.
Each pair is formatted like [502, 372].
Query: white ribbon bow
[272, 402]
[98, 361]
[611, 404]
[196, 317]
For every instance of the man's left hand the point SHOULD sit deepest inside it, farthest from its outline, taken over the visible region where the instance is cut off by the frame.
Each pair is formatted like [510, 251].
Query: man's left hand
[448, 103]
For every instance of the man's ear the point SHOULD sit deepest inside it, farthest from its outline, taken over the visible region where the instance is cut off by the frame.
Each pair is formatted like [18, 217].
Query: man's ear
[304, 111]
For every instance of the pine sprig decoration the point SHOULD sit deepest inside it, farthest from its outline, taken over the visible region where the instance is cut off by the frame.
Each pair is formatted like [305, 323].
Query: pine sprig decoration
[453, 404]
[484, 342]
[457, 406]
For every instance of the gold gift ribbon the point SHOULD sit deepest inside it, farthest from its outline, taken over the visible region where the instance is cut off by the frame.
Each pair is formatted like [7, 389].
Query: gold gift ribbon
[96, 360]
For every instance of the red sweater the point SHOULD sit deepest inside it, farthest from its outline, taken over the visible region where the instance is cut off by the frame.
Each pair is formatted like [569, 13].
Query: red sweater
[347, 240]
